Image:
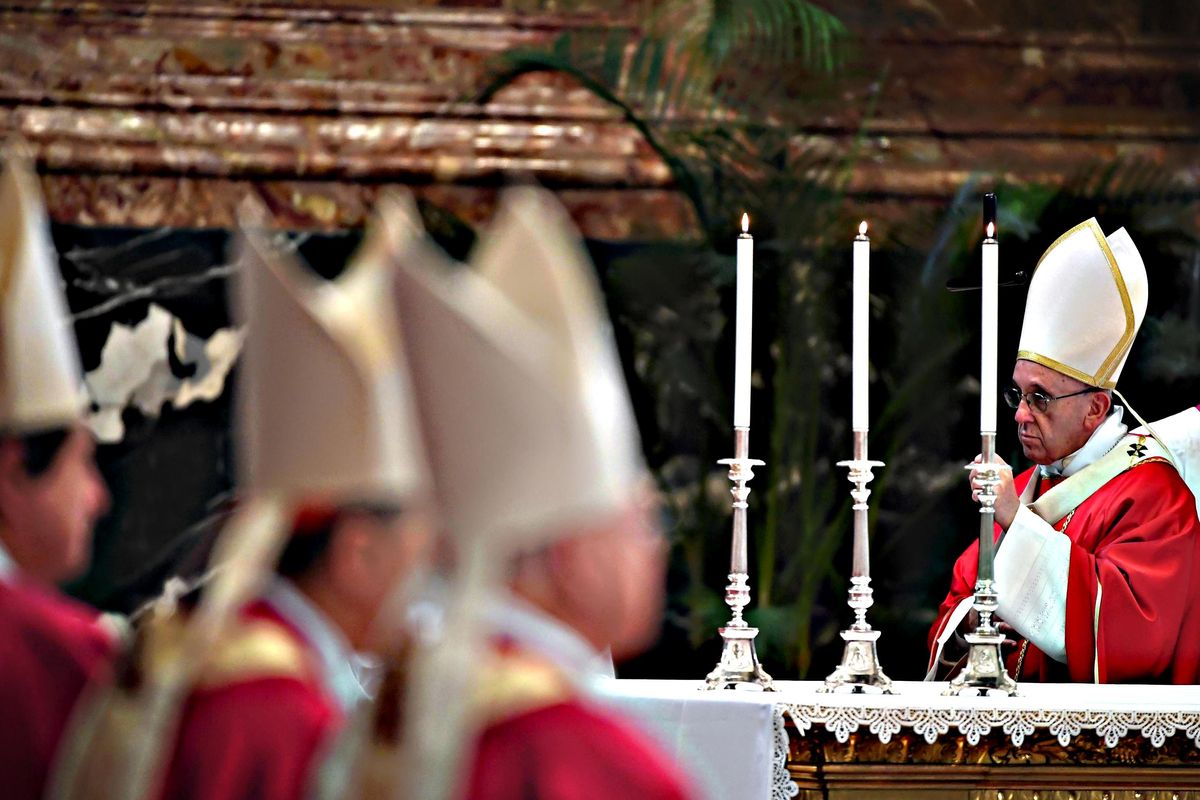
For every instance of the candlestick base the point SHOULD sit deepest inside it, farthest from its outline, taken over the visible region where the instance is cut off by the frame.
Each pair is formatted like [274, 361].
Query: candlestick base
[860, 669]
[739, 667]
[984, 672]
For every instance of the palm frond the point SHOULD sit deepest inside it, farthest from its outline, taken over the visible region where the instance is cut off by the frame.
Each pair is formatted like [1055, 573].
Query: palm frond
[773, 32]
[671, 63]
[1130, 182]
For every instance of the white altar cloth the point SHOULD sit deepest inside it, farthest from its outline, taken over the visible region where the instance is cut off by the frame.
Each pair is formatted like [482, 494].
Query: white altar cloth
[735, 744]
[726, 741]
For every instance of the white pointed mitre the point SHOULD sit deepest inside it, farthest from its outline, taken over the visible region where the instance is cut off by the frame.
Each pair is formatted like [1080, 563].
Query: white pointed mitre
[520, 393]
[1086, 301]
[325, 400]
[41, 385]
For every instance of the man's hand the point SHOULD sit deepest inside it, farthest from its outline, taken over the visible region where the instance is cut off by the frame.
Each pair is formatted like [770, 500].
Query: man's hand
[1007, 502]
[955, 651]
[968, 625]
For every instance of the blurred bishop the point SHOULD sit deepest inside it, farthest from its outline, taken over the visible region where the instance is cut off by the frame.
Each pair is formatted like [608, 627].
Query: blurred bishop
[332, 521]
[50, 497]
[536, 463]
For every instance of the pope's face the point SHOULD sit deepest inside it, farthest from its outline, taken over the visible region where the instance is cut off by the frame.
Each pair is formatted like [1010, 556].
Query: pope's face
[1065, 425]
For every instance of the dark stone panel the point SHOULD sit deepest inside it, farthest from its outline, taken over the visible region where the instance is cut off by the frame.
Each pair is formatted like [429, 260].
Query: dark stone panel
[171, 471]
[172, 477]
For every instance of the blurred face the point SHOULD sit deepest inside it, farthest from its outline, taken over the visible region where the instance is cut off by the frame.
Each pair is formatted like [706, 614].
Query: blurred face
[1066, 424]
[48, 519]
[370, 555]
[609, 580]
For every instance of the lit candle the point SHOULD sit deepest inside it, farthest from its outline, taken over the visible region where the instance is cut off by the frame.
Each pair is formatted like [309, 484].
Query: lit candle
[861, 308]
[745, 312]
[990, 320]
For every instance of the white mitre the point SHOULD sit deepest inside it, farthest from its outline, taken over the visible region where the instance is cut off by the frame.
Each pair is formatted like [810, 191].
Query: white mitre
[41, 385]
[526, 415]
[325, 406]
[1086, 301]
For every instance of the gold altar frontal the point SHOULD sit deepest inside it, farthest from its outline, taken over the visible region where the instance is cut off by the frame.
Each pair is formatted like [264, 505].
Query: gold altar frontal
[1041, 768]
[1052, 742]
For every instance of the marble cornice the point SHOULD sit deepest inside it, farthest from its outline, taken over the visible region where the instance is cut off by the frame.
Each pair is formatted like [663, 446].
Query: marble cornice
[315, 108]
[326, 102]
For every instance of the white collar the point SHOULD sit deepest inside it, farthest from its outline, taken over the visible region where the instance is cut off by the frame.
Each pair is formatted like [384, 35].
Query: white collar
[8, 567]
[550, 638]
[340, 665]
[1103, 439]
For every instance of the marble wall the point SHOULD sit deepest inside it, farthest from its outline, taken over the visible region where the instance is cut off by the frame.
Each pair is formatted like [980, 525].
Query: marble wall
[158, 351]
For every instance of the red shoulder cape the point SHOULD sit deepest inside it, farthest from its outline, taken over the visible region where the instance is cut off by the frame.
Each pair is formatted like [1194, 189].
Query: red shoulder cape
[50, 647]
[544, 740]
[252, 738]
[570, 750]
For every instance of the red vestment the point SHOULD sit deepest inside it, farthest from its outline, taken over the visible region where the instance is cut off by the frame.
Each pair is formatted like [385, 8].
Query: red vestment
[50, 647]
[546, 742]
[257, 724]
[1135, 553]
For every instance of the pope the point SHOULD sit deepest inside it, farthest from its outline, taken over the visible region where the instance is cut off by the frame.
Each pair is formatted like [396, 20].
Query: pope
[1098, 560]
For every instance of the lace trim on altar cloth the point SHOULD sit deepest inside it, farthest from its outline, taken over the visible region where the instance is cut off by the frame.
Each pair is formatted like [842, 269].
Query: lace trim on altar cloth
[976, 723]
[782, 785]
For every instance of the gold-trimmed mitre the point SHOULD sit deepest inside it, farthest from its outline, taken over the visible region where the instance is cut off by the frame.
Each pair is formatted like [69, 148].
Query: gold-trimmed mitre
[41, 384]
[1086, 301]
[325, 400]
[520, 393]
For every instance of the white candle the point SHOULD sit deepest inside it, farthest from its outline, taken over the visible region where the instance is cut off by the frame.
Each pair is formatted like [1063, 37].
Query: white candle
[990, 321]
[745, 316]
[861, 310]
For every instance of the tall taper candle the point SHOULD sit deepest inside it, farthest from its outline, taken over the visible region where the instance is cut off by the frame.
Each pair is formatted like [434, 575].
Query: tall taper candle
[745, 316]
[990, 321]
[859, 361]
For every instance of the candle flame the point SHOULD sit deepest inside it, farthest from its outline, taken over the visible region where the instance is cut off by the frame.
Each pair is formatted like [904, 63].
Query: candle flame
[862, 228]
[745, 223]
[991, 230]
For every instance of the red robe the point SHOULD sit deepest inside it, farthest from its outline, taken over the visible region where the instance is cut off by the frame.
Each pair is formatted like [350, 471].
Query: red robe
[50, 647]
[550, 743]
[254, 728]
[1137, 539]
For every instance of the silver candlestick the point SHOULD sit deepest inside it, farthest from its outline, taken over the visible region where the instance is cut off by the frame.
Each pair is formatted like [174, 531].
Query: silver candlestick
[739, 667]
[860, 659]
[985, 670]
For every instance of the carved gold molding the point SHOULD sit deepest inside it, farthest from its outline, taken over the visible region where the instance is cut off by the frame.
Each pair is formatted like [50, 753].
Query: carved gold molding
[995, 769]
[1084, 794]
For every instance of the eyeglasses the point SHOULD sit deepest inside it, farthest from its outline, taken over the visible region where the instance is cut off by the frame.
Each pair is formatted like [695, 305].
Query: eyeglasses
[1039, 400]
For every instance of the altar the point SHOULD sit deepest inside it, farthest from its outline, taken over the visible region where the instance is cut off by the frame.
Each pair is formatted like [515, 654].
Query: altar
[1107, 742]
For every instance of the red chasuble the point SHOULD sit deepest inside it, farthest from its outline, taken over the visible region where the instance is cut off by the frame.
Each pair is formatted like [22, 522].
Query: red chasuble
[1133, 591]
[546, 742]
[49, 648]
[257, 725]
